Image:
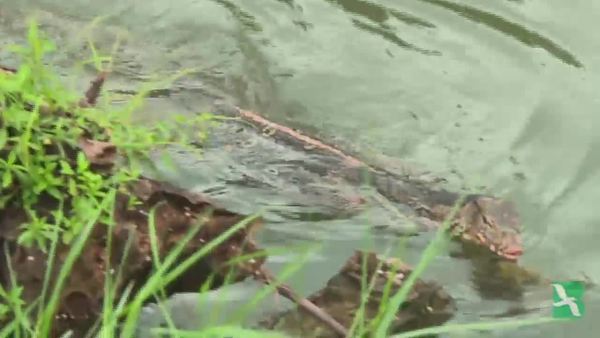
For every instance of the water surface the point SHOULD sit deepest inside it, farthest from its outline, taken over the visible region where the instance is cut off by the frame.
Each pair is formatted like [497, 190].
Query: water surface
[498, 95]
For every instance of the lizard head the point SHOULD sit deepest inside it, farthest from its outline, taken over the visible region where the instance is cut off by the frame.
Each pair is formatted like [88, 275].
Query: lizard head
[491, 223]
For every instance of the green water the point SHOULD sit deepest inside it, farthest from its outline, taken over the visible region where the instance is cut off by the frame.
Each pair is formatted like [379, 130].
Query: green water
[494, 94]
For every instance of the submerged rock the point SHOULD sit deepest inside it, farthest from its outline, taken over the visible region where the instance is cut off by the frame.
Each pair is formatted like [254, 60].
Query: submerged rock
[427, 303]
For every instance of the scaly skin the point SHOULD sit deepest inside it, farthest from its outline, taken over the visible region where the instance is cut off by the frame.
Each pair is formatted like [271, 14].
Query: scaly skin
[484, 221]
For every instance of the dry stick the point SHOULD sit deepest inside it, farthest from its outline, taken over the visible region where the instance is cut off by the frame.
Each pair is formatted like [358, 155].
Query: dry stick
[7, 69]
[92, 94]
[307, 140]
[266, 277]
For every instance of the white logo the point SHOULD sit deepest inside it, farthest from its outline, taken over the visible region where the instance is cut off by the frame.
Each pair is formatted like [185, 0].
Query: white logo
[566, 300]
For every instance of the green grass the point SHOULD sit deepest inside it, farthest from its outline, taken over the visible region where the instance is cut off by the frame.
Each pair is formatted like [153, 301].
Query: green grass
[28, 167]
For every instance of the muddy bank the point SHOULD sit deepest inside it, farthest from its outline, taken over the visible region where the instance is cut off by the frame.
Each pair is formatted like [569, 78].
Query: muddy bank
[118, 246]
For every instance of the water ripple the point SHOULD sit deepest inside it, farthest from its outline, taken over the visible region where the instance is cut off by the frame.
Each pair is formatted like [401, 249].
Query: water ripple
[509, 28]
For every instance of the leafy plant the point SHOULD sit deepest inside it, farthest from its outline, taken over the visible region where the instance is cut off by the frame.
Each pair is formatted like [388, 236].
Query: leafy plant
[36, 135]
[46, 174]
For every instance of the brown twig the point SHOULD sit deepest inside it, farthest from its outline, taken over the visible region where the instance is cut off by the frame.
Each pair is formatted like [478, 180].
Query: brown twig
[298, 136]
[265, 276]
[93, 92]
[7, 69]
